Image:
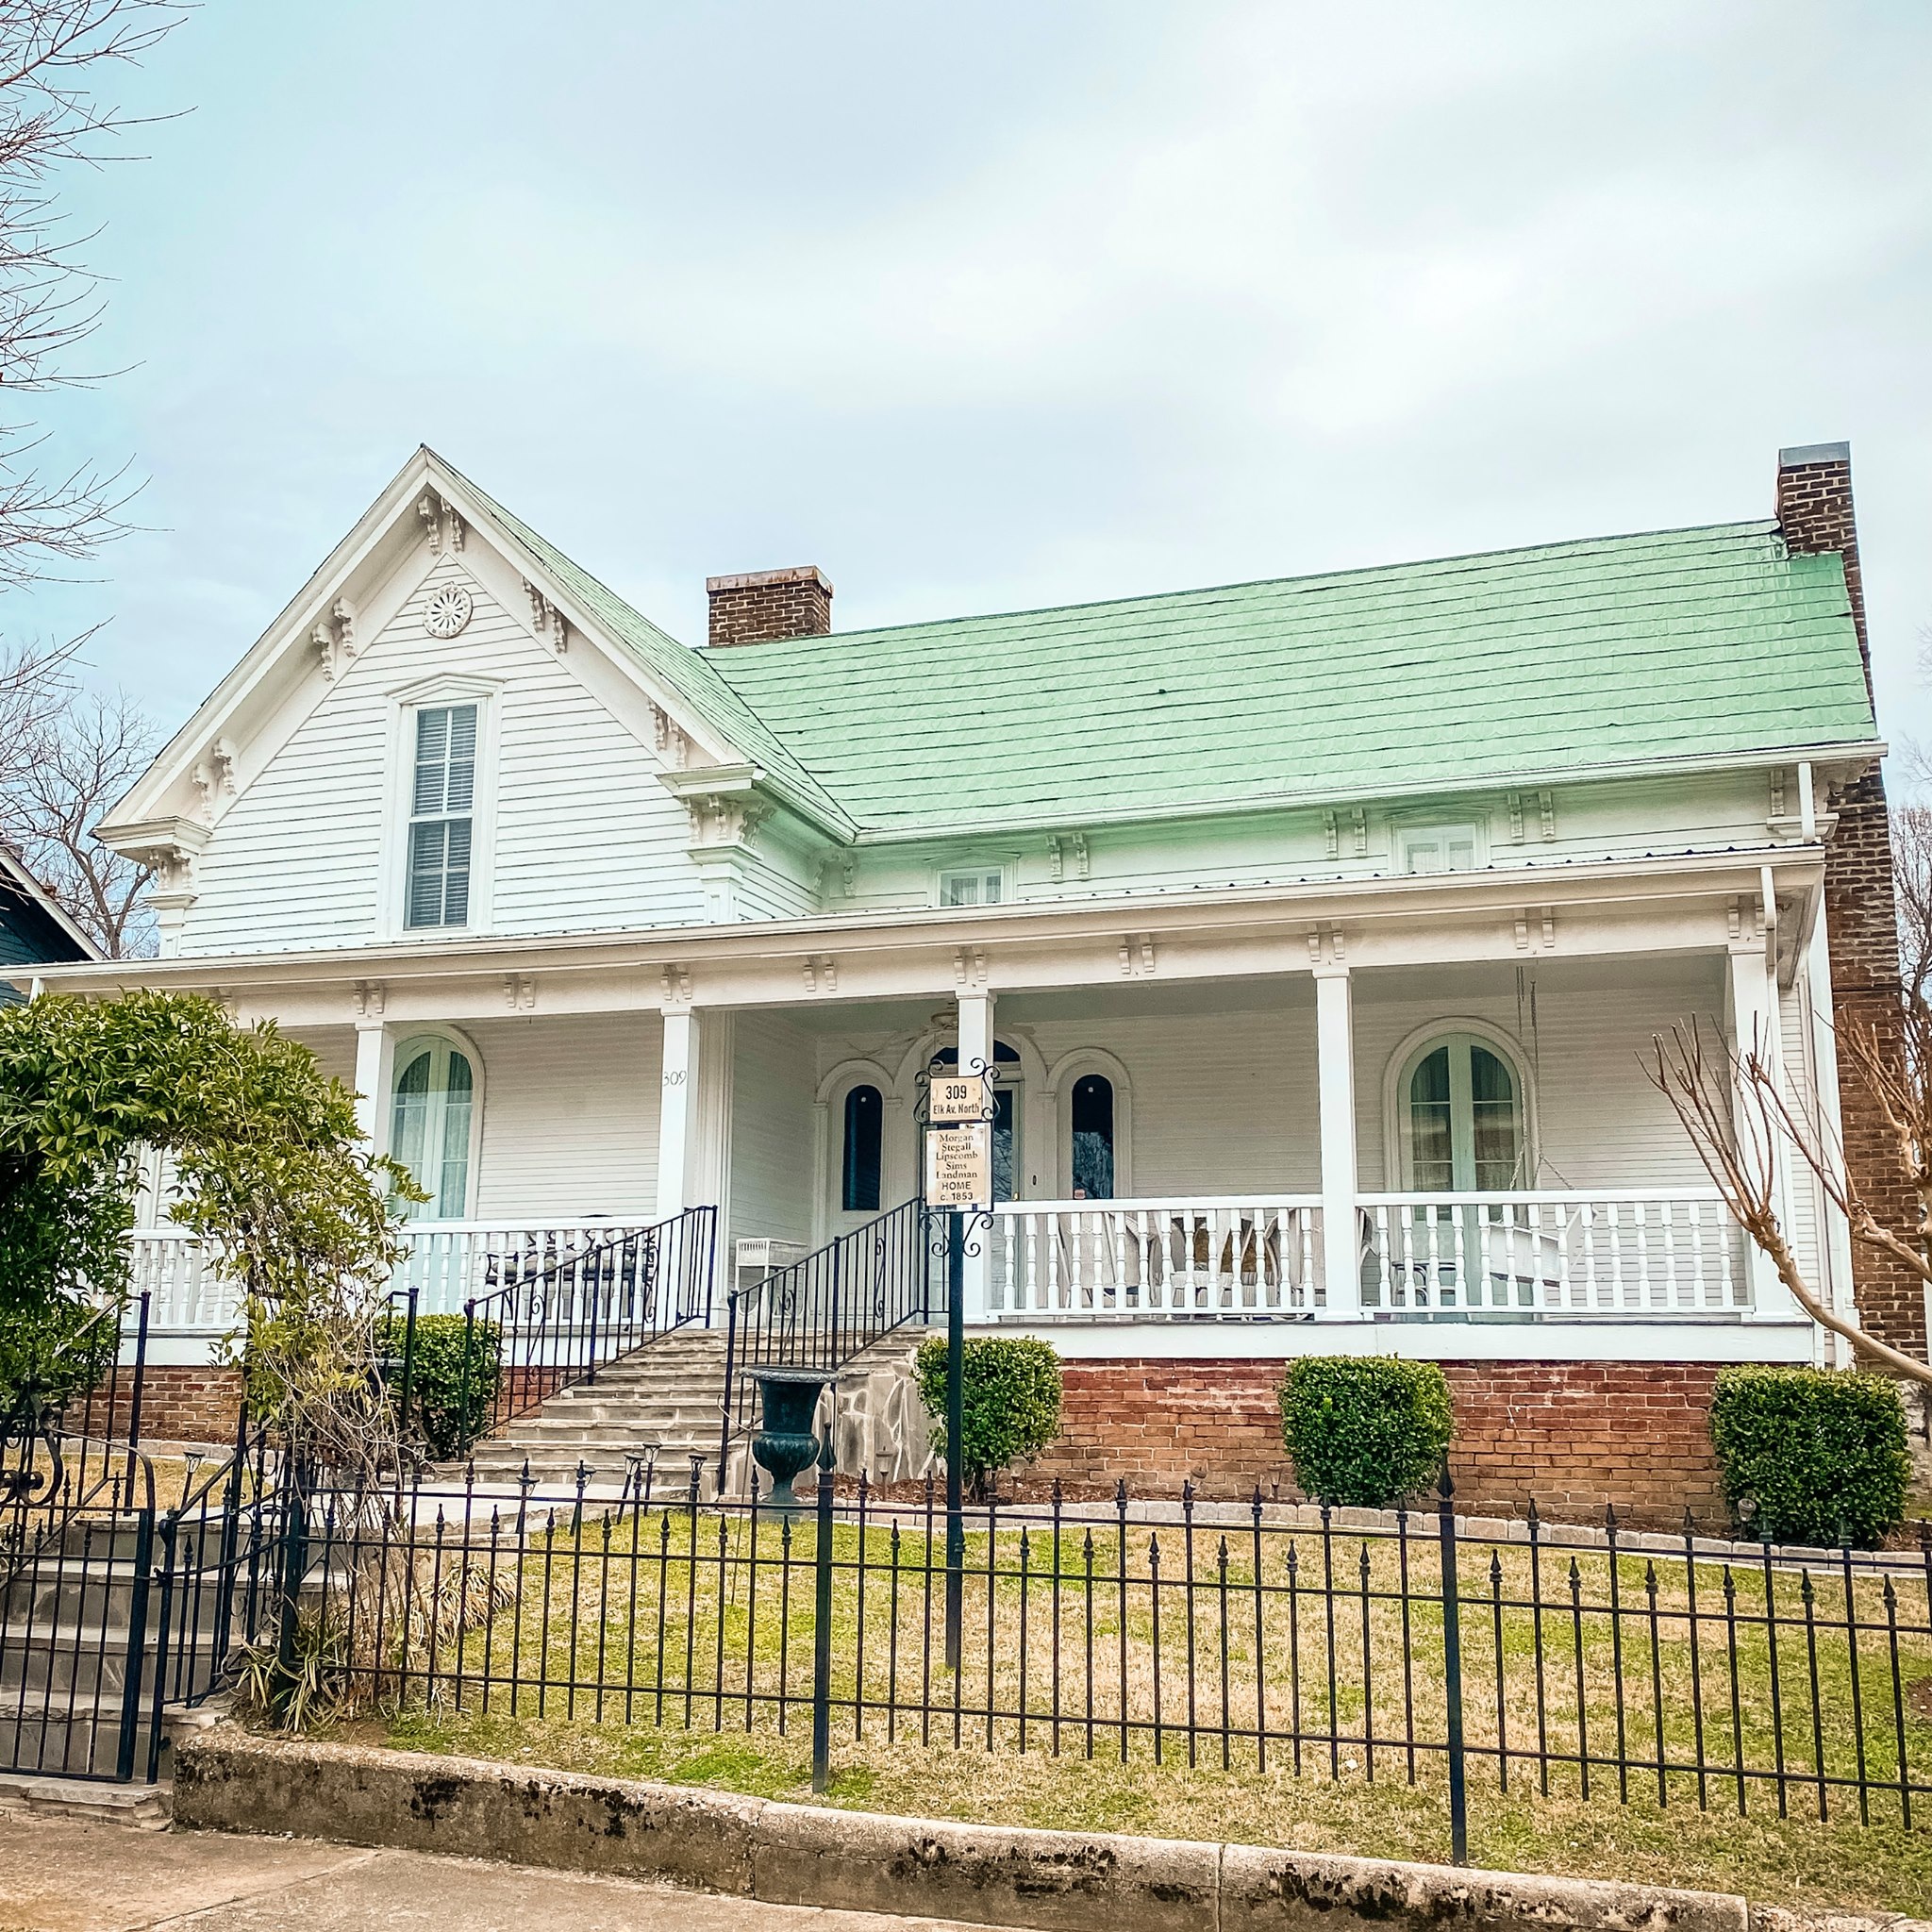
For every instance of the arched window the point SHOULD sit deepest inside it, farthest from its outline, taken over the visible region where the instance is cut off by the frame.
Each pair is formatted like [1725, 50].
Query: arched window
[865, 1115]
[1092, 1132]
[1465, 1119]
[430, 1125]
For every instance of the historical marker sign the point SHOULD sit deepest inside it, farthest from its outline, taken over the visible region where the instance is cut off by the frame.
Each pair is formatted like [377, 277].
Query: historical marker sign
[958, 1166]
[957, 1097]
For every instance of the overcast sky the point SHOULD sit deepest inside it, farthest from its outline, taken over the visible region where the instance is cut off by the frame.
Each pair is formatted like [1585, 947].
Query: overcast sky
[1024, 301]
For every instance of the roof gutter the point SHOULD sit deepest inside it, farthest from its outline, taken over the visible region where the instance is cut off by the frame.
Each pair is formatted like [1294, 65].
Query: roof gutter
[1441, 895]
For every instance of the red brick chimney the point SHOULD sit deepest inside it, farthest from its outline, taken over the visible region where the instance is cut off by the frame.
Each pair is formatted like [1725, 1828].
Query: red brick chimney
[760, 604]
[1814, 511]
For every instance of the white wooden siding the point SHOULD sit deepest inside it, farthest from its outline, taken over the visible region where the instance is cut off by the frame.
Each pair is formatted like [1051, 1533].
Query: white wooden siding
[774, 1150]
[334, 1048]
[1222, 1102]
[586, 838]
[569, 1115]
[1806, 1204]
[1602, 1124]
[1608, 819]
[1226, 1102]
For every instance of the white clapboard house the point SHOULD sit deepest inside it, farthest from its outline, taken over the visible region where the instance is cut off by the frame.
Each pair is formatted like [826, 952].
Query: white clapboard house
[1317, 927]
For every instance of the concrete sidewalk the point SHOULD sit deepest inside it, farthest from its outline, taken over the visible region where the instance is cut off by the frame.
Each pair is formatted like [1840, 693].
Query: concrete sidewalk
[61, 1877]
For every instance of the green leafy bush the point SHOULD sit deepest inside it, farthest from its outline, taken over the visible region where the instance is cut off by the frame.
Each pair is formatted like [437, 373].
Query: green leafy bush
[449, 1392]
[1811, 1455]
[55, 1354]
[1011, 1386]
[1363, 1431]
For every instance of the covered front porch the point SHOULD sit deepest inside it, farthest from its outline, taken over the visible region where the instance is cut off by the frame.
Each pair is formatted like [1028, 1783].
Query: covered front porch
[1210, 1138]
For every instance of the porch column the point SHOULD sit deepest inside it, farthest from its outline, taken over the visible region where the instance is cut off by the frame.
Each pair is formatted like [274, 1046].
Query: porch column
[976, 1047]
[1752, 977]
[678, 1113]
[375, 1053]
[1335, 1056]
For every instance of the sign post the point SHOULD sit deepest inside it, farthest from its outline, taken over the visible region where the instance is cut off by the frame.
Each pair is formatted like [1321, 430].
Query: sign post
[958, 1178]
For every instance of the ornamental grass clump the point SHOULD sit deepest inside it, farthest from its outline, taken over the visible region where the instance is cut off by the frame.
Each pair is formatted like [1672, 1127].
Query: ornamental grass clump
[1012, 1385]
[1812, 1456]
[1364, 1432]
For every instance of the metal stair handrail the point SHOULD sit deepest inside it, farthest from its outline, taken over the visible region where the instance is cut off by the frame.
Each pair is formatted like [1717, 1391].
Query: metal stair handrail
[555, 1326]
[824, 1310]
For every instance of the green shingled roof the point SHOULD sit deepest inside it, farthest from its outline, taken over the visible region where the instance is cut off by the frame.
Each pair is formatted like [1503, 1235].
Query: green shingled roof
[1465, 670]
[1623, 651]
[685, 671]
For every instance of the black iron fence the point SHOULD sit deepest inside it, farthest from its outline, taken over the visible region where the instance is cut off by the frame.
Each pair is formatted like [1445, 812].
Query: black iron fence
[1583, 1663]
[120, 1597]
[555, 1322]
[822, 1312]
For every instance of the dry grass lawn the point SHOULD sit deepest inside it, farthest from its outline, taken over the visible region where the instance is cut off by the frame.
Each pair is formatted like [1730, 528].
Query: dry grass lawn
[654, 1645]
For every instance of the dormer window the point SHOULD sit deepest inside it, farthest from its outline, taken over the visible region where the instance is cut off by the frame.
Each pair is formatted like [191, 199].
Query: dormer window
[1439, 848]
[442, 800]
[978, 887]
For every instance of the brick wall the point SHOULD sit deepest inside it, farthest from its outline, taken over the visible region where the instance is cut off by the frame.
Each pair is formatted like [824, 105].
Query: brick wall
[1861, 924]
[1572, 1436]
[1816, 514]
[179, 1403]
[760, 604]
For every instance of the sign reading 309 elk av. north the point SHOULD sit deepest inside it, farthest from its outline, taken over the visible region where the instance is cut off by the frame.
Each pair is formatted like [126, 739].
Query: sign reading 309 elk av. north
[958, 1166]
[957, 1097]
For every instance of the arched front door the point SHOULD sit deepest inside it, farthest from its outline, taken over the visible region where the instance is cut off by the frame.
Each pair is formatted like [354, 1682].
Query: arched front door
[857, 1177]
[432, 1125]
[1464, 1120]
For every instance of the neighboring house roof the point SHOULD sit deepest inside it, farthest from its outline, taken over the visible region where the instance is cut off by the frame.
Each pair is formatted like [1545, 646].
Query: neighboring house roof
[33, 929]
[1616, 652]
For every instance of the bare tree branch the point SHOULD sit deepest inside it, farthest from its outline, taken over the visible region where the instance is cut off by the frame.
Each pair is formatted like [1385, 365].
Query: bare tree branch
[52, 57]
[81, 758]
[1738, 1120]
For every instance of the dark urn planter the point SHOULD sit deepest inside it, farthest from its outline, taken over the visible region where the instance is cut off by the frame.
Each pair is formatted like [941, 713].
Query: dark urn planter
[787, 1447]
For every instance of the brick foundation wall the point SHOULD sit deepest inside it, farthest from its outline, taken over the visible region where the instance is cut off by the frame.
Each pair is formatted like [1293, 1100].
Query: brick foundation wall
[1571, 1436]
[756, 606]
[179, 1403]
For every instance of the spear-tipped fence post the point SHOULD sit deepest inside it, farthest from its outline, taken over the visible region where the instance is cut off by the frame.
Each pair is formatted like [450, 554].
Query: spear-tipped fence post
[822, 1628]
[1452, 1672]
[294, 1567]
[955, 1433]
[408, 1372]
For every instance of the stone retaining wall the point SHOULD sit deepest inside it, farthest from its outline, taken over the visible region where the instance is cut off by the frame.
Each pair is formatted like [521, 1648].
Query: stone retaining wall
[228, 1780]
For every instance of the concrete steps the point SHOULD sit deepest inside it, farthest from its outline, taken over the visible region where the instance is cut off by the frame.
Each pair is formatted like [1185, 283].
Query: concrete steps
[662, 1404]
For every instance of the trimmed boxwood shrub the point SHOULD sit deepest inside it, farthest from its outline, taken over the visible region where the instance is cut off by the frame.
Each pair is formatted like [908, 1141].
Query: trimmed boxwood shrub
[1365, 1431]
[1011, 1386]
[450, 1400]
[1811, 1455]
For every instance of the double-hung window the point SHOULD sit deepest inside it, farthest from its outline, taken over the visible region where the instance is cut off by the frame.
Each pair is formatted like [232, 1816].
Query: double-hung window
[442, 803]
[1439, 848]
[976, 887]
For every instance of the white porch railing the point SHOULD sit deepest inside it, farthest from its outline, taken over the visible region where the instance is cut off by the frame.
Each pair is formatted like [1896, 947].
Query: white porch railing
[447, 1263]
[1610, 1254]
[1233, 1257]
[1606, 1254]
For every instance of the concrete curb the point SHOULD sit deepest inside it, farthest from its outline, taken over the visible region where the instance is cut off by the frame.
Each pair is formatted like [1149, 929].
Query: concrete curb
[228, 1779]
